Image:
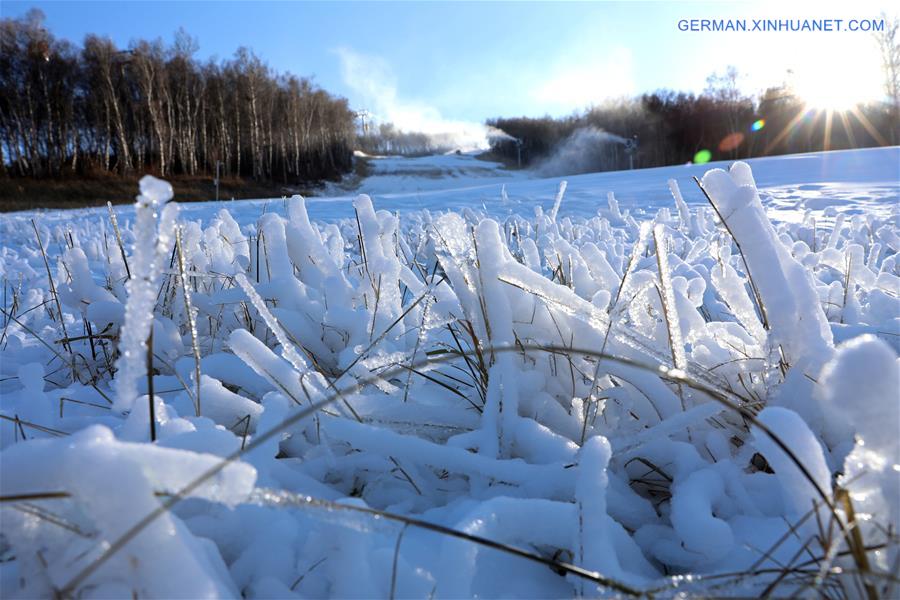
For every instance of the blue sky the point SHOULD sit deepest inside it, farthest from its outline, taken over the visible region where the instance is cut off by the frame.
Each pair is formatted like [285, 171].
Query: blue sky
[420, 62]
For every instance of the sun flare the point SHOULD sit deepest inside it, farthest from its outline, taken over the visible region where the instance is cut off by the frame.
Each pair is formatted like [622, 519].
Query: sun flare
[838, 80]
[826, 93]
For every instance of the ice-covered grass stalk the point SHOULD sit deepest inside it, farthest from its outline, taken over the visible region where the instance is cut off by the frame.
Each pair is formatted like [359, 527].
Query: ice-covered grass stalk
[154, 227]
[557, 201]
[516, 384]
[115, 224]
[189, 315]
[677, 376]
[53, 293]
[287, 347]
[668, 298]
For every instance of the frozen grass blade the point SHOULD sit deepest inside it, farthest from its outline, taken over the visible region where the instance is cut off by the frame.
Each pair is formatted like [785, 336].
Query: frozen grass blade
[667, 297]
[675, 375]
[756, 296]
[115, 224]
[53, 292]
[557, 201]
[189, 315]
[287, 348]
[421, 358]
[676, 344]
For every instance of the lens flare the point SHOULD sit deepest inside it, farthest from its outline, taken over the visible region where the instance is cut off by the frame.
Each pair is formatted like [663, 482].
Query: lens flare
[702, 157]
[731, 141]
[757, 125]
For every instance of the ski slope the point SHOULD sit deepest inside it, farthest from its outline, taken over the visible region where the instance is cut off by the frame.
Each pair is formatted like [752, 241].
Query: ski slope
[826, 183]
[460, 381]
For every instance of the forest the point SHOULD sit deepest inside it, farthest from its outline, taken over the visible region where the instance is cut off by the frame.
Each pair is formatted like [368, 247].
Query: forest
[70, 111]
[74, 111]
[722, 123]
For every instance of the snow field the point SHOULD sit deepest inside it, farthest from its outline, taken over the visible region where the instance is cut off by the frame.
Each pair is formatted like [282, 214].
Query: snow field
[698, 401]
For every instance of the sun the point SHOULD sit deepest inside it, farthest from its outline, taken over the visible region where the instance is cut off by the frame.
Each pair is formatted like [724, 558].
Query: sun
[820, 93]
[838, 79]
[833, 90]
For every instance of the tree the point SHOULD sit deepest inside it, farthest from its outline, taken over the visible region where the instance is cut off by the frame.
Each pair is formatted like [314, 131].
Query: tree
[889, 46]
[156, 108]
[725, 89]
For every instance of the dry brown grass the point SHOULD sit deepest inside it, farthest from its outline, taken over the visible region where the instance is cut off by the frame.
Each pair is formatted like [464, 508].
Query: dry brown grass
[76, 192]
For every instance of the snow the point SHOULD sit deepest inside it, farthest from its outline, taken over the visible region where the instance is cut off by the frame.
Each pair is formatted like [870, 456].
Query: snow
[787, 295]
[857, 182]
[608, 371]
[861, 388]
[799, 492]
[113, 484]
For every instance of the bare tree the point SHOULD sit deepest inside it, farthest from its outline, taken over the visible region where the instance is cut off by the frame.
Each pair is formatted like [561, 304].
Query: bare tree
[157, 108]
[725, 88]
[889, 45]
[106, 65]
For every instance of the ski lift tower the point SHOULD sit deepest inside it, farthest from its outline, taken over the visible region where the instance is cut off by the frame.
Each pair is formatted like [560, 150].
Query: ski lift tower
[364, 116]
[631, 146]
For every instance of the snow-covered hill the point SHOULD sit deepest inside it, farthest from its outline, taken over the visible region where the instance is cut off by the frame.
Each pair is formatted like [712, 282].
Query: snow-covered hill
[851, 182]
[473, 382]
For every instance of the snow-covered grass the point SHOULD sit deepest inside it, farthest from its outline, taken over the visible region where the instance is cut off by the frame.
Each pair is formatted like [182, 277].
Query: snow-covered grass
[453, 403]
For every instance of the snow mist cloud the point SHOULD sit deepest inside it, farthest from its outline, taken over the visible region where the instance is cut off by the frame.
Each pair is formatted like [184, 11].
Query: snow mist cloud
[375, 84]
[588, 149]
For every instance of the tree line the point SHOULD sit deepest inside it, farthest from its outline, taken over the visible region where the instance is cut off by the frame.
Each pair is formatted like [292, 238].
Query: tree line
[67, 110]
[675, 127]
[151, 107]
[387, 138]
